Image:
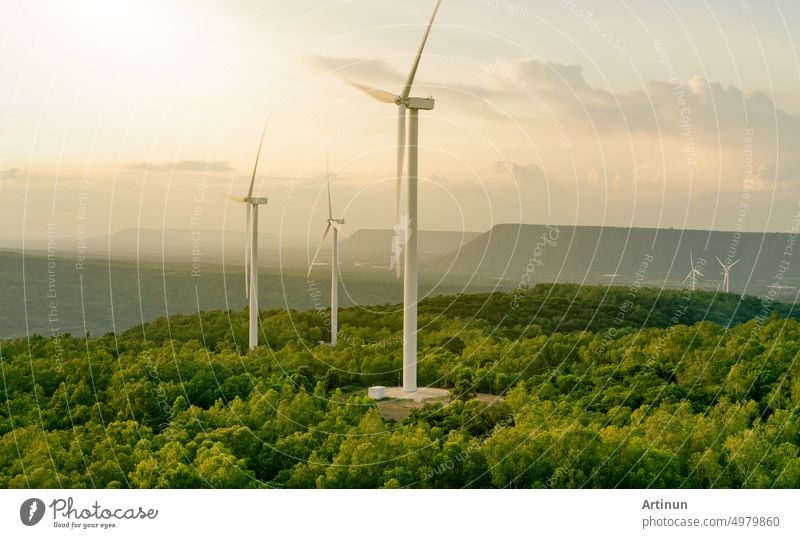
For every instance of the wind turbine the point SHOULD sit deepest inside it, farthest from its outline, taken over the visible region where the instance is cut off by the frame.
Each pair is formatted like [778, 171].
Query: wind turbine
[693, 274]
[413, 105]
[726, 278]
[251, 248]
[333, 224]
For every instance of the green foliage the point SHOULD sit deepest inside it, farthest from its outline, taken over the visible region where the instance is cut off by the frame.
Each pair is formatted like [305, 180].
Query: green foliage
[599, 389]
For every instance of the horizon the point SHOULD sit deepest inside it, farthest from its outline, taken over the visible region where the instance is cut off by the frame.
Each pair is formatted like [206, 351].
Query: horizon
[291, 239]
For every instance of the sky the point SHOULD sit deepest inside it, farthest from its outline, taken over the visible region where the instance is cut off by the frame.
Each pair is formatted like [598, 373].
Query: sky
[647, 113]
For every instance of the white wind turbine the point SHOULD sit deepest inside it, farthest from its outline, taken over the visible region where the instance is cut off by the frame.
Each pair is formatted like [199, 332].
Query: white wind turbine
[333, 224]
[251, 248]
[726, 275]
[693, 274]
[413, 105]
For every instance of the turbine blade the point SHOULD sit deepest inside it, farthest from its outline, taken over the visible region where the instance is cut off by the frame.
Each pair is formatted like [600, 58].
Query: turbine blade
[330, 205]
[239, 199]
[412, 75]
[734, 263]
[720, 262]
[691, 259]
[258, 156]
[319, 247]
[381, 95]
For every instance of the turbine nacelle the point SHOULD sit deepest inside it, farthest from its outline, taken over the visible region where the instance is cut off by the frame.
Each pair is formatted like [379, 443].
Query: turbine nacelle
[256, 200]
[416, 103]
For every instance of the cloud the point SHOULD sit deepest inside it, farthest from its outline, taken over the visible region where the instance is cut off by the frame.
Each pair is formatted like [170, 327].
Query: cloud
[692, 136]
[362, 69]
[663, 136]
[769, 176]
[553, 74]
[713, 114]
[523, 173]
[600, 178]
[183, 166]
[10, 173]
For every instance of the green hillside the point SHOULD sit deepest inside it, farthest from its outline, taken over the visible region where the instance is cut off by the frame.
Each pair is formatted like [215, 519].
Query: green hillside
[601, 389]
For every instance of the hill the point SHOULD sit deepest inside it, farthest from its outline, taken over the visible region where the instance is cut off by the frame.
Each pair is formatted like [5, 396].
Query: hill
[375, 246]
[594, 255]
[622, 403]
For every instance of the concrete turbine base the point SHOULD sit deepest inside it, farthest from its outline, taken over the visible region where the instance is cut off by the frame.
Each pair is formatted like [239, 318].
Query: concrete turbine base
[422, 395]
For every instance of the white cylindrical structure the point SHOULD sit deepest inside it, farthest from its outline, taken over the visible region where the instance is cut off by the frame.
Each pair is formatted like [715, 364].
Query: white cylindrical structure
[377, 393]
[254, 279]
[410, 257]
[335, 286]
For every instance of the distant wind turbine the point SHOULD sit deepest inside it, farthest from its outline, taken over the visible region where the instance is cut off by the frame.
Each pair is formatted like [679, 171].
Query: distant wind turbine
[333, 224]
[693, 274]
[251, 247]
[726, 275]
[413, 105]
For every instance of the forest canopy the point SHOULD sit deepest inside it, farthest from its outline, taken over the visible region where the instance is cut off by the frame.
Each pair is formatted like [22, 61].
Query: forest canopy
[600, 387]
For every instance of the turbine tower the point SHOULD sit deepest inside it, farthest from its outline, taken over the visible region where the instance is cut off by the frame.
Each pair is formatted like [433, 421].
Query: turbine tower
[333, 224]
[413, 105]
[693, 274]
[251, 248]
[726, 275]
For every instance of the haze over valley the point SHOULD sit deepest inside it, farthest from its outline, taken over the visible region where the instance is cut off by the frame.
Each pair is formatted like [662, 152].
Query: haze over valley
[151, 274]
